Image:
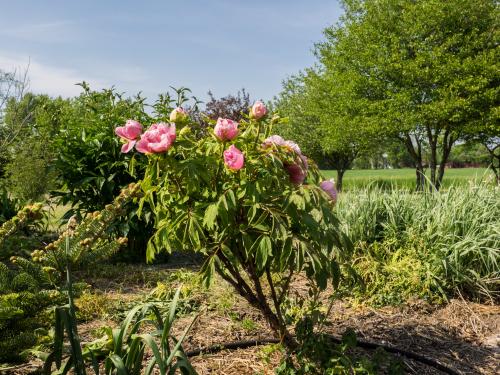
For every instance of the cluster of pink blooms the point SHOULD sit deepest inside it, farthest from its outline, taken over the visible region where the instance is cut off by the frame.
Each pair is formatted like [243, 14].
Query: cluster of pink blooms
[161, 136]
[158, 138]
[296, 170]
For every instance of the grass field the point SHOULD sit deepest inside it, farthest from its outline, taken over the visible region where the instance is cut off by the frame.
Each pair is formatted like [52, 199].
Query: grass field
[405, 178]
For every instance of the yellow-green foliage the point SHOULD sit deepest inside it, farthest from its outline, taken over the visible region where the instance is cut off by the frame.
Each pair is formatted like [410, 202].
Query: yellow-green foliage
[93, 305]
[27, 216]
[427, 244]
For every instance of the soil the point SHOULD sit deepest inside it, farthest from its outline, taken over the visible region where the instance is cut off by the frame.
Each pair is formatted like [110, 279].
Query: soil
[462, 335]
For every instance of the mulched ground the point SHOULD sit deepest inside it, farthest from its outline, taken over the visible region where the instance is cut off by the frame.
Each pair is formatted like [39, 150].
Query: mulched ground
[462, 335]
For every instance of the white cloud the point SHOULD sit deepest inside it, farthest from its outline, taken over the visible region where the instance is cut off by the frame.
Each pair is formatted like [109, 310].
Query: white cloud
[48, 79]
[47, 32]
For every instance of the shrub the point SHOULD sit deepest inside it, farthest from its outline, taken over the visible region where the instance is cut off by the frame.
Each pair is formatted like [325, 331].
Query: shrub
[90, 166]
[238, 197]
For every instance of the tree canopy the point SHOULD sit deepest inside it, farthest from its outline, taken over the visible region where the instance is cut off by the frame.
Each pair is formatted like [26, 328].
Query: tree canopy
[424, 72]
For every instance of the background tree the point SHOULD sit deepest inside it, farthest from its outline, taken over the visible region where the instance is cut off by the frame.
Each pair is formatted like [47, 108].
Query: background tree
[33, 124]
[422, 71]
[328, 128]
[13, 86]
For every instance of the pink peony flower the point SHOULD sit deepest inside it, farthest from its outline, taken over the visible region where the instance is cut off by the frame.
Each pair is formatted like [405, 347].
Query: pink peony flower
[226, 129]
[328, 187]
[178, 115]
[130, 132]
[158, 138]
[293, 146]
[298, 170]
[258, 110]
[274, 140]
[233, 158]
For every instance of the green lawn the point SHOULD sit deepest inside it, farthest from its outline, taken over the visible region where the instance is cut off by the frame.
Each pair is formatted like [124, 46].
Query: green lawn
[405, 178]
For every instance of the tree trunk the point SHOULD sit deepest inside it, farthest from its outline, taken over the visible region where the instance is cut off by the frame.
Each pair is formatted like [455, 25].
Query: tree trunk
[416, 155]
[420, 176]
[494, 159]
[340, 177]
[447, 144]
[432, 138]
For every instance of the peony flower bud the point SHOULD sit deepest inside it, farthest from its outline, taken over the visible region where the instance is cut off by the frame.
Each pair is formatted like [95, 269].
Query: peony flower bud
[258, 110]
[328, 187]
[233, 158]
[178, 115]
[298, 170]
[226, 129]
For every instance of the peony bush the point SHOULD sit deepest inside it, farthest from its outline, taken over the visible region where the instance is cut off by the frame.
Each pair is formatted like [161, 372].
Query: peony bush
[250, 201]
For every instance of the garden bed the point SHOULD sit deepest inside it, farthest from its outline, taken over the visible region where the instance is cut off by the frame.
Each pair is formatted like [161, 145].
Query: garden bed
[461, 335]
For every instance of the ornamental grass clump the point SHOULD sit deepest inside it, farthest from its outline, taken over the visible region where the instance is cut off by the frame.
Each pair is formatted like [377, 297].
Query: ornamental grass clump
[249, 201]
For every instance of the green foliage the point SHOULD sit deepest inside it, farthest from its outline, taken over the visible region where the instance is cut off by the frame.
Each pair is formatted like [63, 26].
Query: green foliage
[123, 349]
[90, 163]
[319, 354]
[9, 205]
[91, 306]
[429, 244]
[25, 298]
[32, 123]
[422, 72]
[250, 223]
[319, 123]
[90, 241]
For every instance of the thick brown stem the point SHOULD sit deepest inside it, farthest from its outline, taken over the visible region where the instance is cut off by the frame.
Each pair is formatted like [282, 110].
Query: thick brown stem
[258, 300]
[274, 297]
[272, 318]
[237, 277]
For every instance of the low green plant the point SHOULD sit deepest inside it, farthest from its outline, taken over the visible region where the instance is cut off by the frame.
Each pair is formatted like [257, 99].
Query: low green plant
[426, 244]
[91, 305]
[26, 297]
[318, 354]
[122, 350]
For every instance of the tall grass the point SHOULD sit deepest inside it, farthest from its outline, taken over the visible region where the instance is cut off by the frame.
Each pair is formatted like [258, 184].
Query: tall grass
[448, 241]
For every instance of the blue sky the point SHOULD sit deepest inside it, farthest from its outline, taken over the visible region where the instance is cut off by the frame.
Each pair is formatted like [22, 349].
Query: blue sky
[146, 46]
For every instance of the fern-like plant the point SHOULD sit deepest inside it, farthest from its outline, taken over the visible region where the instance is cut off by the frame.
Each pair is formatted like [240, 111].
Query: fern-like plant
[28, 215]
[25, 298]
[90, 241]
